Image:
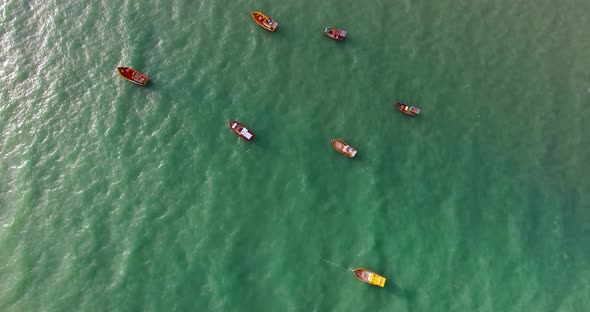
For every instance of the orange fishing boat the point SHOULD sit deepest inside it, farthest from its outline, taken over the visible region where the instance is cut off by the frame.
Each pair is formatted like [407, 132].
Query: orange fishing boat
[407, 109]
[335, 33]
[343, 148]
[369, 277]
[241, 131]
[264, 21]
[133, 75]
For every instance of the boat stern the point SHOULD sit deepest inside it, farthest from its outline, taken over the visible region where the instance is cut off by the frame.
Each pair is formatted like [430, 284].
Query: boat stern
[140, 78]
[377, 280]
[246, 134]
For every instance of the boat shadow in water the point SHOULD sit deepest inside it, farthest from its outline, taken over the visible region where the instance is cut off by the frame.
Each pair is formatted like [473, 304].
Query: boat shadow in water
[405, 293]
[151, 84]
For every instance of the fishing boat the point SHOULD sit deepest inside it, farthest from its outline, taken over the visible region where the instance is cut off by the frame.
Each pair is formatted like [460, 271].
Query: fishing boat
[369, 277]
[264, 21]
[407, 109]
[133, 75]
[241, 131]
[334, 33]
[343, 148]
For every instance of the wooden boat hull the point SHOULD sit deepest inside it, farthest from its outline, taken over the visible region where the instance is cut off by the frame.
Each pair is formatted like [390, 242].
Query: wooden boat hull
[264, 21]
[334, 33]
[343, 148]
[241, 130]
[369, 277]
[133, 75]
[407, 109]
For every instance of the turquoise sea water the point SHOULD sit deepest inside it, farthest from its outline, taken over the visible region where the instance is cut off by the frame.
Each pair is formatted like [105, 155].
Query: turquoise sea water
[121, 198]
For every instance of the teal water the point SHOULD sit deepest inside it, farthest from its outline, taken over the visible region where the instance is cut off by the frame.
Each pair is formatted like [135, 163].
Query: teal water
[121, 198]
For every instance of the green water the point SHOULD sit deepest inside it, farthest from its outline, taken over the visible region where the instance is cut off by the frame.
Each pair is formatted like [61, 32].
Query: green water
[121, 198]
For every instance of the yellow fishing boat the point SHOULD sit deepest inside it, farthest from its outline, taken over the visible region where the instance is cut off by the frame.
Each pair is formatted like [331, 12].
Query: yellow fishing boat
[369, 277]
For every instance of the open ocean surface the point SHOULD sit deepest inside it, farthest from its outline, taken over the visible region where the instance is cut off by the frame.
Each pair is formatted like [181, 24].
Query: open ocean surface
[115, 197]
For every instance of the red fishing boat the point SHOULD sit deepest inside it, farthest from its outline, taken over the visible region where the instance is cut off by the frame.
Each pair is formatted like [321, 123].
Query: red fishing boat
[241, 131]
[343, 148]
[334, 33]
[407, 109]
[264, 21]
[133, 75]
[369, 277]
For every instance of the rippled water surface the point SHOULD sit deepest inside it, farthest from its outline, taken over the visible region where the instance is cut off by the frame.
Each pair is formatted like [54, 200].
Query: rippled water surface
[121, 198]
